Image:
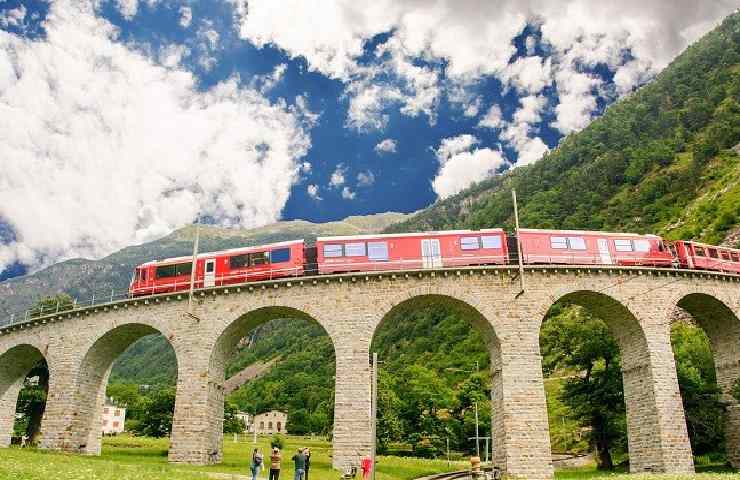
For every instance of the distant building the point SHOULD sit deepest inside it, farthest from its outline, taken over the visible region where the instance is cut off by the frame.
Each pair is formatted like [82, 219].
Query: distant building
[246, 419]
[114, 419]
[270, 422]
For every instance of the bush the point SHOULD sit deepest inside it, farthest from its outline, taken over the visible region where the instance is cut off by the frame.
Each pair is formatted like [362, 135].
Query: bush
[277, 441]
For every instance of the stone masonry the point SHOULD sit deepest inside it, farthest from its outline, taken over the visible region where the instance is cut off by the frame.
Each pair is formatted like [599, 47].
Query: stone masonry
[637, 304]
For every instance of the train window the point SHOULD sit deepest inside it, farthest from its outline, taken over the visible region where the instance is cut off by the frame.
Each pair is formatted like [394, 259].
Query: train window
[377, 250]
[490, 242]
[623, 245]
[558, 242]
[642, 246]
[332, 250]
[143, 275]
[735, 256]
[239, 261]
[280, 255]
[174, 270]
[725, 255]
[354, 249]
[712, 252]
[469, 243]
[210, 266]
[259, 258]
[577, 243]
[699, 251]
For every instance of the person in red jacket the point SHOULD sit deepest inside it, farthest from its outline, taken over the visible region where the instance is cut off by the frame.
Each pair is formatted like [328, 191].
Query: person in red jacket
[367, 467]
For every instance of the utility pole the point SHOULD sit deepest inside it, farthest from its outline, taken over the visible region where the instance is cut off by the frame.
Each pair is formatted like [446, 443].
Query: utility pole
[518, 243]
[374, 407]
[477, 435]
[194, 265]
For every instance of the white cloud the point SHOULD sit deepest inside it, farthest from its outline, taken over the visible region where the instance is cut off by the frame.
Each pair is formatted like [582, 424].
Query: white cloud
[313, 192]
[13, 17]
[103, 148]
[172, 55]
[474, 40]
[577, 100]
[365, 179]
[337, 177]
[128, 8]
[186, 16]
[306, 167]
[493, 118]
[517, 133]
[387, 145]
[348, 194]
[460, 166]
[265, 83]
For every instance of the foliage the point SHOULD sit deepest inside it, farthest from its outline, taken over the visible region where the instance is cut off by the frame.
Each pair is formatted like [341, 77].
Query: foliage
[157, 410]
[277, 441]
[52, 304]
[31, 403]
[232, 423]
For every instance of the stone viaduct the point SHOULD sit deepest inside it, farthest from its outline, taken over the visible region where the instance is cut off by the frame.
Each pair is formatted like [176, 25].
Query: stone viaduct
[637, 304]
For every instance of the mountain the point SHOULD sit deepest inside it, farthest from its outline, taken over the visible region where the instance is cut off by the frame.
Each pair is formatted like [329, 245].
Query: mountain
[81, 278]
[664, 159]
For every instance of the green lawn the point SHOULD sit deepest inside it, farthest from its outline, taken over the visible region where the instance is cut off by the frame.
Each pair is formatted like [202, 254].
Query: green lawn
[132, 458]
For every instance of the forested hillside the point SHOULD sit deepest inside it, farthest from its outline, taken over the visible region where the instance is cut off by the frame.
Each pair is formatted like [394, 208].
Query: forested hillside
[661, 160]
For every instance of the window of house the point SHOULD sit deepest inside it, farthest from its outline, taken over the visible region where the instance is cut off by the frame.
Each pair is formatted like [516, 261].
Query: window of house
[269, 425]
[377, 251]
[280, 255]
[469, 243]
[577, 243]
[279, 426]
[623, 245]
[239, 261]
[712, 252]
[105, 423]
[354, 249]
[106, 410]
[699, 251]
[558, 242]
[174, 270]
[262, 425]
[116, 424]
[332, 250]
[490, 242]
[642, 245]
[118, 413]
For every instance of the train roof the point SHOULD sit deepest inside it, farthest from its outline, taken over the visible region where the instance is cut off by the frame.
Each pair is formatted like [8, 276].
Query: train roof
[710, 246]
[402, 235]
[587, 232]
[221, 252]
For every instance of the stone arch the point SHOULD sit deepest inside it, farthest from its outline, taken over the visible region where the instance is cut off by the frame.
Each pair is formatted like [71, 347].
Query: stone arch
[715, 317]
[656, 429]
[224, 348]
[92, 380]
[15, 364]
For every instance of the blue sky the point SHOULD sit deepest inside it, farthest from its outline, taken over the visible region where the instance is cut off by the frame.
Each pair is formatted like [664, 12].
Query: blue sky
[122, 120]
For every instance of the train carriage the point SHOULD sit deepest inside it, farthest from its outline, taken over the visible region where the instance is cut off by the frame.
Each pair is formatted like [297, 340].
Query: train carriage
[695, 255]
[580, 247]
[239, 265]
[411, 250]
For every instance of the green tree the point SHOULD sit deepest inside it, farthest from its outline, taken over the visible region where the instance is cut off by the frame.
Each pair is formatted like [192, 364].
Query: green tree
[157, 411]
[52, 304]
[232, 423]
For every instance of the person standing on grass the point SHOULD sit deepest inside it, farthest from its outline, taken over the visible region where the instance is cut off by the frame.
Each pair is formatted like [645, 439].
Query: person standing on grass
[307, 454]
[256, 463]
[275, 464]
[299, 459]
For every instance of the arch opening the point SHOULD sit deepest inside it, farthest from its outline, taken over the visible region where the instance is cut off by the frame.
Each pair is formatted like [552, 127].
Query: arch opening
[596, 365]
[24, 378]
[705, 337]
[272, 359]
[118, 391]
[440, 361]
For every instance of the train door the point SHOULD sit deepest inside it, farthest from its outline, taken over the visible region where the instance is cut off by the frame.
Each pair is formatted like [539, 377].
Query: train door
[209, 275]
[606, 257]
[431, 253]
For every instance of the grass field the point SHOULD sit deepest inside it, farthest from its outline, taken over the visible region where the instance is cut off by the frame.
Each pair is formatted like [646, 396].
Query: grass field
[132, 458]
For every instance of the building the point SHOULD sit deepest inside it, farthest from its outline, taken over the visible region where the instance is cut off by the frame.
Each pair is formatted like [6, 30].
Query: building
[270, 422]
[246, 420]
[114, 419]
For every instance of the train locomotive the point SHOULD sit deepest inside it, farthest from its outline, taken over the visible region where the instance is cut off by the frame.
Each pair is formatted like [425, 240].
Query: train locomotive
[427, 250]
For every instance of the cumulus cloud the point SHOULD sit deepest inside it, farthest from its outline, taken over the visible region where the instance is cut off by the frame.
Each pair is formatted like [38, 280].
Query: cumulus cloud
[128, 8]
[634, 38]
[186, 16]
[306, 167]
[387, 145]
[13, 17]
[493, 118]
[337, 177]
[348, 194]
[313, 192]
[365, 179]
[102, 147]
[461, 165]
[265, 83]
[517, 134]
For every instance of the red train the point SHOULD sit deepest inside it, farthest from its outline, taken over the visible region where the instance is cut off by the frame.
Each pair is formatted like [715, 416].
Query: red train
[412, 251]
